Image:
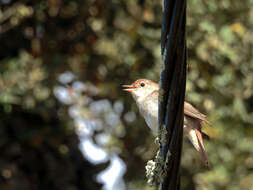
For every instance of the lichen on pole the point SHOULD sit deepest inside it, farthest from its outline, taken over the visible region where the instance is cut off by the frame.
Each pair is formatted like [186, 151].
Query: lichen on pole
[172, 91]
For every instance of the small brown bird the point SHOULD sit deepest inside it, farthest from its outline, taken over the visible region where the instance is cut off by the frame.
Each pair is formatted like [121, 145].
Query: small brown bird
[145, 93]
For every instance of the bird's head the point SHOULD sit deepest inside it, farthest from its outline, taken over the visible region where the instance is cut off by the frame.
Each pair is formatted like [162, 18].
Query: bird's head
[141, 88]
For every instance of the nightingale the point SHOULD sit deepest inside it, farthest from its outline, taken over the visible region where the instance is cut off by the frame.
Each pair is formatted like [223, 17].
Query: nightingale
[145, 93]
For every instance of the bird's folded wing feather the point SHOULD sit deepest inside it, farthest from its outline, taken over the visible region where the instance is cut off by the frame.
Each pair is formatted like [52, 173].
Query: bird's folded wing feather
[190, 111]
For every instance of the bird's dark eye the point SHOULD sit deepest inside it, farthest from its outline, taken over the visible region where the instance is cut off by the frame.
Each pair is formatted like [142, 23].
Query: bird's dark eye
[142, 84]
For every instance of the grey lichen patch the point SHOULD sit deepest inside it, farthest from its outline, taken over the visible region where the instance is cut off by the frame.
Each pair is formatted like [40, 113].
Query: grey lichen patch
[150, 168]
[167, 159]
[157, 141]
[154, 170]
[162, 135]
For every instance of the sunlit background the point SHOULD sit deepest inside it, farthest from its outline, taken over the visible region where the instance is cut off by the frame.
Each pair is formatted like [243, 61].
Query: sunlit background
[65, 122]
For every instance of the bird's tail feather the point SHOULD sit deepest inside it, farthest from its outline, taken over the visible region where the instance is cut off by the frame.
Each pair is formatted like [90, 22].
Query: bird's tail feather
[201, 146]
[195, 136]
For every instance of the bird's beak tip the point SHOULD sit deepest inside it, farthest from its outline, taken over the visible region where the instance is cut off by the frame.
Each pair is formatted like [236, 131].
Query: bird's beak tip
[128, 88]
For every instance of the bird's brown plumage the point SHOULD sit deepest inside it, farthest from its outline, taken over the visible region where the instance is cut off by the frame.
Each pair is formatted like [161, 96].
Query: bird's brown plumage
[146, 97]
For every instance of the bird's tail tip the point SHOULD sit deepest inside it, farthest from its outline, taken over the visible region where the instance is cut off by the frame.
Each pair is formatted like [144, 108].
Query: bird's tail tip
[202, 148]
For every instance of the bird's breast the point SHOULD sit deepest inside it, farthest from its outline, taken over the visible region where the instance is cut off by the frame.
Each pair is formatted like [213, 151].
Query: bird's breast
[149, 111]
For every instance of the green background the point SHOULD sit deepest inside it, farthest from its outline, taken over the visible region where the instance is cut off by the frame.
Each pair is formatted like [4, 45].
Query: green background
[107, 43]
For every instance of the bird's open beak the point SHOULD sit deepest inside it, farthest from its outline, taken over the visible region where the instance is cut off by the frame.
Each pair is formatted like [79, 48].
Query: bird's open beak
[128, 88]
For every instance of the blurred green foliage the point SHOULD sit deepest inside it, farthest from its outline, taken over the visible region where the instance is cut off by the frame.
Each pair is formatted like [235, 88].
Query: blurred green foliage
[109, 43]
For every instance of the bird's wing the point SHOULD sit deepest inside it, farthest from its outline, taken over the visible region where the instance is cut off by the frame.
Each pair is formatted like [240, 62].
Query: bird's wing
[190, 111]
